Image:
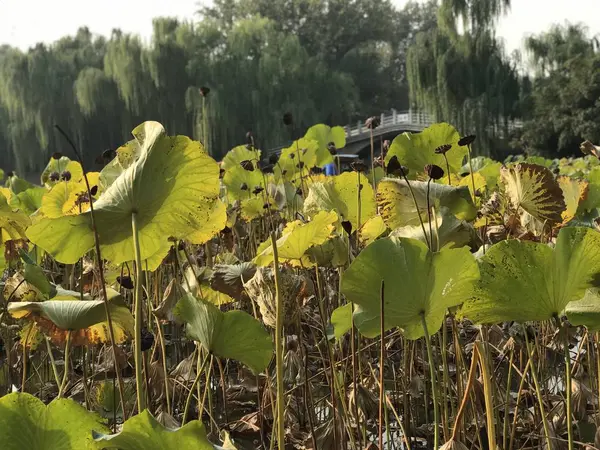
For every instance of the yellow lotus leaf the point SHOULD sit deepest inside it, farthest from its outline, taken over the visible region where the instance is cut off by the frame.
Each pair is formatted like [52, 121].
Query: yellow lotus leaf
[574, 192]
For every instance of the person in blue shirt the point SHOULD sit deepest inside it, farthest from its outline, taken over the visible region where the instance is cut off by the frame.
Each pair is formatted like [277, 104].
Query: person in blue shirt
[330, 169]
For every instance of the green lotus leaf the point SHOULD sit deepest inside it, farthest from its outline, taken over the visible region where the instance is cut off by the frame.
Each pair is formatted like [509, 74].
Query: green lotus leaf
[234, 334]
[398, 209]
[296, 160]
[341, 320]
[340, 194]
[16, 185]
[170, 189]
[35, 275]
[416, 150]
[59, 166]
[332, 253]
[586, 311]
[209, 228]
[417, 283]
[296, 239]
[491, 173]
[72, 314]
[529, 281]
[534, 189]
[323, 135]
[372, 229]
[2, 260]
[13, 224]
[29, 200]
[236, 155]
[241, 182]
[252, 208]
[450, 231]
[28, 424]
[144, 432]
[592, 201]
[286, 199]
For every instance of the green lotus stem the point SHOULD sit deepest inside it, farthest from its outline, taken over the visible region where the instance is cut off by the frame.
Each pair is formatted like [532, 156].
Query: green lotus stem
[188, 400]
[373, 161]
[381, 363]
[430, 243]
[471, 173]
[568, 386]
[280, 430]
[63, 385]
[137, 339]
[52, 362]
[538, 391]
[436, 412]
[163, 350]
[448, 171]
[507, 398]
[24, 379]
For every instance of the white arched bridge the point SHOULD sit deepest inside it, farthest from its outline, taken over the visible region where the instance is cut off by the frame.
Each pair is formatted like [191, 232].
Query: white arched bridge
[393, 123]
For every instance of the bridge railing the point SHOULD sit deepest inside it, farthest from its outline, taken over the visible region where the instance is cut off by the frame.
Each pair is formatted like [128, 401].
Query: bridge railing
[416, 118]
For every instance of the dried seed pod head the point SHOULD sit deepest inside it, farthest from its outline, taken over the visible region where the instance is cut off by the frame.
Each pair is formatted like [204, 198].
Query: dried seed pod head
[54, 176]
[443, 149]
[10, 174]
[125, 281]
[266, 206]
[257, 190]
[273, 158]
[300, 165]
[249, 138]
[299, 192]
[316, 170]
[247, 165]
[221, 173]
[288, 119]
[434, 172]
[395, 168]
[267, 169]
[94, 190]
[386, 145]
[373, 122]
[359, 166]
[66, 176]
[147, 339]
[244, 187]
[56, 155]
[467, 140]
[204, 91]
[332, 148]
[347, 226]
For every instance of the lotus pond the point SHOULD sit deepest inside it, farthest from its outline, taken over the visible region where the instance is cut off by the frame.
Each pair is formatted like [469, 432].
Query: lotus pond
[428, 298]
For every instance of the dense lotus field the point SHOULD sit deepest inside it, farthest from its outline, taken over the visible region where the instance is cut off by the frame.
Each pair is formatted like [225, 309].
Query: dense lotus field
[424, 298]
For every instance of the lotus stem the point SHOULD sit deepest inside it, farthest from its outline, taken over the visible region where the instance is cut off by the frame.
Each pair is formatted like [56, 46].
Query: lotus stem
[24, 379]
[538, 391]
[568, 385]
[470, 381]
[436, 412]
[507, 398]
[412, 193]
[163, 351]
[63, 385]
[430, 243]
[381, 362]
[188, 400]
[52, 362]
[487, 391]
[471, 172]
[280, 430]
[111, 332]
[448, 171]
[137, 339]
[373, 160]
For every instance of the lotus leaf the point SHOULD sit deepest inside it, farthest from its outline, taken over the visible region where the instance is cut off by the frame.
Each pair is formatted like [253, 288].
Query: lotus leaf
[528, 281]
[341, 320]
[60, 165]
[234, 334]
[297, 238]
[586, 311]
[340, 194]
[534, 189]
[13, 224]
[575, 193]
[144, 432]
[416, 150]
[417, 283]
[324, 134]
[27, 423]
[170, 189]
[398, 208]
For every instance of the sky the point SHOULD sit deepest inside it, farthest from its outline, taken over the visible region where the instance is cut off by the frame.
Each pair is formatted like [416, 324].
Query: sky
[23, 23]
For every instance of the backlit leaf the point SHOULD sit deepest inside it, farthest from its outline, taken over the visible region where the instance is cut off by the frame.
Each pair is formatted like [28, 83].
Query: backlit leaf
[324, 134]
[417, 283]
[574, 192]
[527, 281]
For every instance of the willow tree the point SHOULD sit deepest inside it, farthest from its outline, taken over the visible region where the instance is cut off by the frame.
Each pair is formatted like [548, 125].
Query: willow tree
[458, 71]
